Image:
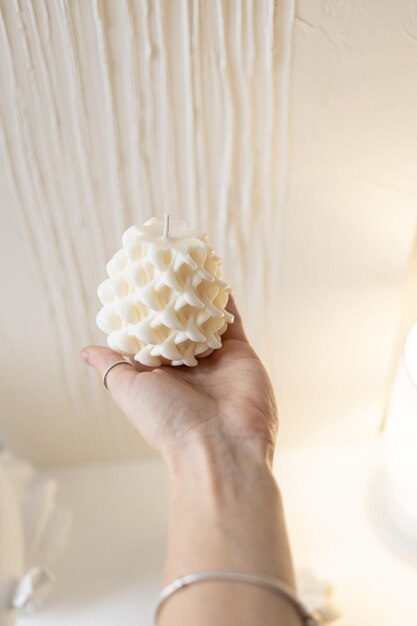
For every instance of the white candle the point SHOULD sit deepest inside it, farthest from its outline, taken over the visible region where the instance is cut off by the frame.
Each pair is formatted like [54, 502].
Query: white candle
[164, 301]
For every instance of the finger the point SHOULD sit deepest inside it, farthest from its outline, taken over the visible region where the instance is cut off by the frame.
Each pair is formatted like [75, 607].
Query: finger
[236, 329]
[101, 358]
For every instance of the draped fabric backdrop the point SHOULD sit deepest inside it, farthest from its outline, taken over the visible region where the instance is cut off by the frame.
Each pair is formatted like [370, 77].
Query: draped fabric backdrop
[285, 130]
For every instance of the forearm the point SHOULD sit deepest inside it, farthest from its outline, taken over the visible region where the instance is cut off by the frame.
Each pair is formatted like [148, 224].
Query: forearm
[225, 513]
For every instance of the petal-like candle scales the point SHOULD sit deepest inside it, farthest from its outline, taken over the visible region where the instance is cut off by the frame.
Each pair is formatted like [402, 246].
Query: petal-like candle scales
[164, 300]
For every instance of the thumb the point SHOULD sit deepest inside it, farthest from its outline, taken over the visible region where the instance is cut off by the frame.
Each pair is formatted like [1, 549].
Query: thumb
[100, 358]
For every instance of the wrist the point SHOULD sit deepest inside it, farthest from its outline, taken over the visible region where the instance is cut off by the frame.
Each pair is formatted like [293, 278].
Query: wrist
[220, 479]
[229, 498]
[217, 455]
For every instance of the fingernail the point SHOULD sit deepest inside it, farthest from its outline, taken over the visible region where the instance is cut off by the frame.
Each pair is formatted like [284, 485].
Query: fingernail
[84, 356]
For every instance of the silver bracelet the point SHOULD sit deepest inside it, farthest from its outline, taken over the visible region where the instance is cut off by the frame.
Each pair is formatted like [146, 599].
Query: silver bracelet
[277, 586]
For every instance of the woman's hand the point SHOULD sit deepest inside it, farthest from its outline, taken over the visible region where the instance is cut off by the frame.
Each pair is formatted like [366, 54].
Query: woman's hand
[226, 401]
[215, 426]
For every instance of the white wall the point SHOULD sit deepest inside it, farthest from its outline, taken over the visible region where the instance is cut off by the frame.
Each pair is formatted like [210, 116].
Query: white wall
[349, 219]
[287, 132]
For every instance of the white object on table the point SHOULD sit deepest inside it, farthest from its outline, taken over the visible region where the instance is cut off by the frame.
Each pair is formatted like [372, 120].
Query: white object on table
[164, 301]
[33, 532]
[316, 594]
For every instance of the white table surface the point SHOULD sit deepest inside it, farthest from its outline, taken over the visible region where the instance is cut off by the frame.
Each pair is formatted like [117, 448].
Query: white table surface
[110, 573]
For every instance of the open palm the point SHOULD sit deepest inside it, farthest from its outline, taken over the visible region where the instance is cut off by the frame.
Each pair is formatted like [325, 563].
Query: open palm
[228, 397]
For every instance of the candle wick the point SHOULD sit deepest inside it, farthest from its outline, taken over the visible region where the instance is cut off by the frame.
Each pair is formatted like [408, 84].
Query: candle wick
[165, 234]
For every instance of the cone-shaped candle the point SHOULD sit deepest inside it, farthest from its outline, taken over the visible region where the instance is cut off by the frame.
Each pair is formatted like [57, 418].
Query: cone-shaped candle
[164, 302]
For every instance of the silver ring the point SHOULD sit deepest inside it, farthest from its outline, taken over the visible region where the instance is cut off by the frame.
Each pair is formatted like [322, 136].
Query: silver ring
[123, 362]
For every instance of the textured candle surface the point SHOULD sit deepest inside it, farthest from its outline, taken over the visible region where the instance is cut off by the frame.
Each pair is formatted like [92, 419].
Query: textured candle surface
[164, 301]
